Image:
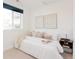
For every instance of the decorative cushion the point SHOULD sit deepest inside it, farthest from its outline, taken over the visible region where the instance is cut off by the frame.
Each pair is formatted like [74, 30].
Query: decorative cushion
[43, 35]
[39, 34]
[47, 36]
[29, 33]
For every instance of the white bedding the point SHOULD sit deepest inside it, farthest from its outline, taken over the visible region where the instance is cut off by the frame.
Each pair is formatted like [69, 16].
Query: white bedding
[36, 48]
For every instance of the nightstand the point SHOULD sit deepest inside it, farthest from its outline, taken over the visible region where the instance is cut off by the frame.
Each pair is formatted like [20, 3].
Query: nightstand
[67, 45]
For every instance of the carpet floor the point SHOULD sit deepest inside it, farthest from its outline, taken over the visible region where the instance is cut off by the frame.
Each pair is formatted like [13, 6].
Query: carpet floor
[17, 54]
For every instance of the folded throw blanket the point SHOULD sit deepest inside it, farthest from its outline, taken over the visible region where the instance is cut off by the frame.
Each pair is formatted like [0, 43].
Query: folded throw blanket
[18, 42]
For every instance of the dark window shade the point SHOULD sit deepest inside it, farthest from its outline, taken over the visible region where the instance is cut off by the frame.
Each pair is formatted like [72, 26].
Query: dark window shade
[7, 6]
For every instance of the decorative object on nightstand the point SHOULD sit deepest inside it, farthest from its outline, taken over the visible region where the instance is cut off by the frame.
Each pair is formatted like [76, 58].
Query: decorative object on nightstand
[67, 44]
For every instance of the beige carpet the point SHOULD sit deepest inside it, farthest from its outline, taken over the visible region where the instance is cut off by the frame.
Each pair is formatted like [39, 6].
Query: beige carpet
[17, 54]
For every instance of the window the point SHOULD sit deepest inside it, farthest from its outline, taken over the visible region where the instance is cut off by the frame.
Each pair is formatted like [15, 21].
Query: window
[17, 20]
[12, 19]
[7, 18]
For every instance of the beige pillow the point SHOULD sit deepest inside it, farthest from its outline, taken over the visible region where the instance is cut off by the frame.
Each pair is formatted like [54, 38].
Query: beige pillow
[47, 36]
[29, 33]
[39, 34]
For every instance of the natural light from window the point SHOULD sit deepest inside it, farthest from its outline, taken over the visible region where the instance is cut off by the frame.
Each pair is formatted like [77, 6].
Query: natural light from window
[12, 19]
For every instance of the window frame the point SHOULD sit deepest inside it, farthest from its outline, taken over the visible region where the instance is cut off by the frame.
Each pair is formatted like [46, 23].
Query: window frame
[14, 9]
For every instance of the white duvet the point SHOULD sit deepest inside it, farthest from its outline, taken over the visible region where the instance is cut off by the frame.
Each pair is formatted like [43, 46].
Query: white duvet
[36, 48]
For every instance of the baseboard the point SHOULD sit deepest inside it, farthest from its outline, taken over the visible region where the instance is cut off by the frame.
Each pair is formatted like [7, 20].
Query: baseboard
[7, 49]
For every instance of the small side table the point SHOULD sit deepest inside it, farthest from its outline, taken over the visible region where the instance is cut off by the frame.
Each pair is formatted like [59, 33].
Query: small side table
[67, 45]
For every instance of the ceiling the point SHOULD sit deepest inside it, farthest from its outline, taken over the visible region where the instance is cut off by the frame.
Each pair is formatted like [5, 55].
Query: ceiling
[37, 3]
[32, 3]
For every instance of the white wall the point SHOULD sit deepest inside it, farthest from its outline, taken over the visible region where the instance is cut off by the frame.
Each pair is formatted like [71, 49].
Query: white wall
[64, 10]
[11, 35]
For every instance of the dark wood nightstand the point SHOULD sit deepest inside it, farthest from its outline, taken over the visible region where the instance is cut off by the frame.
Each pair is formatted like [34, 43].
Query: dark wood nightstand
[67, 45]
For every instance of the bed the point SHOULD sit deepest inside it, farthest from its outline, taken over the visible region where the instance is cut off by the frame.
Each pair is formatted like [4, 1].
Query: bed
[35, 47]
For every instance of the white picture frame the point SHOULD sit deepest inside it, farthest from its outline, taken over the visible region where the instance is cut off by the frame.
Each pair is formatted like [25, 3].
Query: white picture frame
[50, 21]
[46, 21]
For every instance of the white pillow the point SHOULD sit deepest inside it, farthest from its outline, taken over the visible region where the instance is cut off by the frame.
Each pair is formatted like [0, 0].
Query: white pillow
[54, 37]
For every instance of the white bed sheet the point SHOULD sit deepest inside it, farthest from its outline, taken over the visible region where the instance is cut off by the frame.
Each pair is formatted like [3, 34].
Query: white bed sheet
[36, 48]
